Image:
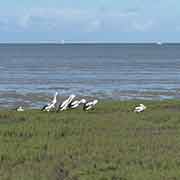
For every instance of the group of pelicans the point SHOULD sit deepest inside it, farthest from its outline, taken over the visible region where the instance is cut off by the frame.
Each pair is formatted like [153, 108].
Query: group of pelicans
[71, 103]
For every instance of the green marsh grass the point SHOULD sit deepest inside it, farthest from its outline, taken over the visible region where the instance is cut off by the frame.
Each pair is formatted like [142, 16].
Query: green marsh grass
[109, 143]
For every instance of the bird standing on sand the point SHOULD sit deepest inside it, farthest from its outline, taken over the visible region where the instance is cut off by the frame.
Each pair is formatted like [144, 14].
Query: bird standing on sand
[90, 105]
[140, 108]
[50, 105]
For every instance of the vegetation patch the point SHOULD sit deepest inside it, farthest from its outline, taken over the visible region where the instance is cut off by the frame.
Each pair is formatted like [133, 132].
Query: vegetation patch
[108, 143]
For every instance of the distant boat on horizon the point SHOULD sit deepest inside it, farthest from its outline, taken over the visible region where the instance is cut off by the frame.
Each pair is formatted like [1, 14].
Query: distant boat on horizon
[159, 43]
[62, 41]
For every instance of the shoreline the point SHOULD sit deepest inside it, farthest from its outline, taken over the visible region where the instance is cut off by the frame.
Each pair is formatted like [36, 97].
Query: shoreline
[102, 102]
[37, 99]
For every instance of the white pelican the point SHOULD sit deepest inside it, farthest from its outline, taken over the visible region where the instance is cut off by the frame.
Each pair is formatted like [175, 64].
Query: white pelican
[75, 104]
[89, 105]
[66, 103]
[50, 105]
[20, 109]
[140, 108]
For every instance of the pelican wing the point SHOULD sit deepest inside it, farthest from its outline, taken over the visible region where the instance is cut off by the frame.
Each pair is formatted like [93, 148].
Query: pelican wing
[51, 106]
[75, 103]
[45, 107]
[66, 103]
[139, 109]
[136, 108]
[90, 105]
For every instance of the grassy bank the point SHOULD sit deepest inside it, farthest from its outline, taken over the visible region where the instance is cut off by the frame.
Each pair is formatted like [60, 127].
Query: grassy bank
[109, 143]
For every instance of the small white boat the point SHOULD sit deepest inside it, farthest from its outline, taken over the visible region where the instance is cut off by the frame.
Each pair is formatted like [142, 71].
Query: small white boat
[159, 43]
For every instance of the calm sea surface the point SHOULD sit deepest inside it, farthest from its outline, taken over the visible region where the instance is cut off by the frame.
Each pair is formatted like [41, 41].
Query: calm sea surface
[29, 73]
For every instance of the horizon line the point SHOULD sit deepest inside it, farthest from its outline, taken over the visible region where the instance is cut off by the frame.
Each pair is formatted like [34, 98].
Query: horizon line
[91, 42]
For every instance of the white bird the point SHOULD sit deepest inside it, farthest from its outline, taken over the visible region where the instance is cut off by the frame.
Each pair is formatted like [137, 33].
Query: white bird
[50, 105]
[20, 109]
[140, 108]
[77, 103]
[66, 103]
[89, 105]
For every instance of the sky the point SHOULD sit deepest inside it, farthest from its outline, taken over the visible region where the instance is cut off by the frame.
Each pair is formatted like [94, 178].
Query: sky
[129, 21]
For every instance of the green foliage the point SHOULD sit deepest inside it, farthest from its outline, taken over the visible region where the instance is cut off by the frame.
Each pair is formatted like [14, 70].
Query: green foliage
[109, 143]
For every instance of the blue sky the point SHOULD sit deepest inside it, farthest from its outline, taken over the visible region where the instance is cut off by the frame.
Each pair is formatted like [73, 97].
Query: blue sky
[92, 21]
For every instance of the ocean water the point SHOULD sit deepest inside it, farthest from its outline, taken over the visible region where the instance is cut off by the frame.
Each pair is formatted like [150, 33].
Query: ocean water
[30, 73]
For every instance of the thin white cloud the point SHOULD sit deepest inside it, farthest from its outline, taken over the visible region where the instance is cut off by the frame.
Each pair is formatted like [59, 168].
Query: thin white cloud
[78, 20]
[3, 23]
[142, 26]
[24, 21]
[53, 18]
[93, 25]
